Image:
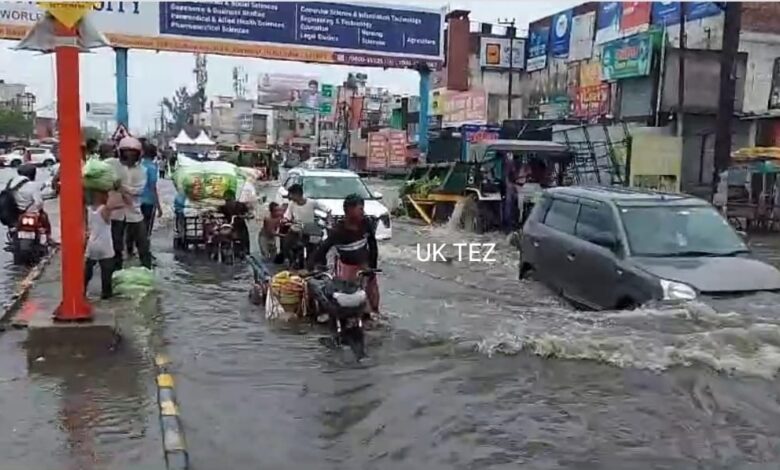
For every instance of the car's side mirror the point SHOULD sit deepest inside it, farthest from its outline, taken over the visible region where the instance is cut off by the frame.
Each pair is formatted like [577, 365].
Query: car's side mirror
[377, 195]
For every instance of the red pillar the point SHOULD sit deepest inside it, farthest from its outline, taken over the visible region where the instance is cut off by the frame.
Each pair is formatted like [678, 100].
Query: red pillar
[74, 306]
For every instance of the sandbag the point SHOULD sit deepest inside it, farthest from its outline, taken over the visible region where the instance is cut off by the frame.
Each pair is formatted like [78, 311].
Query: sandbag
[133, 282]
[99, 175]
[206, 180]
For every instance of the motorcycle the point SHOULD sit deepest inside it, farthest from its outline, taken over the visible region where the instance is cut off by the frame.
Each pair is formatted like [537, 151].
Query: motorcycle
[306, 241]
[222, 242]
[340, 304]
[27, 241]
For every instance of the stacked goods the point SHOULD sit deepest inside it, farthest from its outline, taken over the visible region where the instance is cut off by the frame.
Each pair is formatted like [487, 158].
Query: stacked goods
[288, 290]
[200, 181]
[133, 282]
[99, 175]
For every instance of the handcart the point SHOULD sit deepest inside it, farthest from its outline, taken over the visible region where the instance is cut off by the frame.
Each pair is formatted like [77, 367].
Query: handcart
[193, 228]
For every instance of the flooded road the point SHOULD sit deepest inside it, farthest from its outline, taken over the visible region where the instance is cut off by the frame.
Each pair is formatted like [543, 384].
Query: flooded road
[472, 369]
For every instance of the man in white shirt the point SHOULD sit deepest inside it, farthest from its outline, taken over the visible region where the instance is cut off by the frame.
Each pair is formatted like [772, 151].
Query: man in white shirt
[300, 212]
[129, 220]
[28, 194]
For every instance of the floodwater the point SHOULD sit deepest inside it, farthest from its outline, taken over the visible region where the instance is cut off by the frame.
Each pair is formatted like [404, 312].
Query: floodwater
[471, 369]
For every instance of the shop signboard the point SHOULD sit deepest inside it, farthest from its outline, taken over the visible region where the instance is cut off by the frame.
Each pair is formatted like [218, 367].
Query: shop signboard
[592, 95]
[608, 22]
[628, 57]
[322, 32]
[635, 17]
[561, 34]
[538, 38]
[581, 46]
[665, 13]
[468, 107]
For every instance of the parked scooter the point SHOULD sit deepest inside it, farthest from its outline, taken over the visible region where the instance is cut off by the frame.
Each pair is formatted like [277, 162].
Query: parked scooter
[27, 241]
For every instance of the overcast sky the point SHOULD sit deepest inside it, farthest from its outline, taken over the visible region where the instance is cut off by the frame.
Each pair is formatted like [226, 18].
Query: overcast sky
[155, 75]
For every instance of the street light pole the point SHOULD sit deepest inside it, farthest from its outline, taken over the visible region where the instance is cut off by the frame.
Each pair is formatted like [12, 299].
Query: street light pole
[510, 31]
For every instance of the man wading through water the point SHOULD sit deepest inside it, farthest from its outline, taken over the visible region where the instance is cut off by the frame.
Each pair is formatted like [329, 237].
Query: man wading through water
[129, 219]
[356, 246]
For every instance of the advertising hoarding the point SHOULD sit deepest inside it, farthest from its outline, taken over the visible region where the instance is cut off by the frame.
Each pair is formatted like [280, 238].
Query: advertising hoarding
[561, 34]
[635, 17]
[494, 53]
[665, 13]
[581, 46]
[608, 28]
[101, 111]
[303, 31]
[628, 57]
[538, 38]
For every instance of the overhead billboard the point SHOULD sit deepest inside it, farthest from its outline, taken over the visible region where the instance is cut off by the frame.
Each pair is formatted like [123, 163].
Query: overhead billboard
[581, 46]
[665, 13]
[635, 17]
[561, 34]
[628, 57]
[101, 111]
[323, 32]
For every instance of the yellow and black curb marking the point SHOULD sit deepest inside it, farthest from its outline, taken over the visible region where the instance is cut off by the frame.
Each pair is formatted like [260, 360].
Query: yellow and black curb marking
[174, 445]
[25, 286]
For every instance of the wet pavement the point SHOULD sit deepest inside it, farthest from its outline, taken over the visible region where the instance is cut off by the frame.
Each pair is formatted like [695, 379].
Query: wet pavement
[471, 369]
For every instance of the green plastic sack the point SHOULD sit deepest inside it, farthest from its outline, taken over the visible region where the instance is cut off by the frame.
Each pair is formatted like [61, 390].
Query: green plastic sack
[206, 180]
[98, 175]
[133, 282]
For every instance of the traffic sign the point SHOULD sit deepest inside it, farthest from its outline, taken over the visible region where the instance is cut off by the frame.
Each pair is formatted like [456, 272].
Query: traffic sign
[120, 133]
[68, 13]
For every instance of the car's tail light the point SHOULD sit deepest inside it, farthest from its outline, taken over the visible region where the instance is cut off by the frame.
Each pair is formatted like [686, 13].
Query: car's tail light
[28, 221]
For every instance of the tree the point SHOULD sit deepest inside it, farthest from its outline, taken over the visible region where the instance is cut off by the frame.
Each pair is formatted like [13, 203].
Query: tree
[90, 132]
[180, 109]
[14, 123]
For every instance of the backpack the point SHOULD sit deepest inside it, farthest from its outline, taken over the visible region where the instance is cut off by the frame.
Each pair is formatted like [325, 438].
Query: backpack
[9, 210]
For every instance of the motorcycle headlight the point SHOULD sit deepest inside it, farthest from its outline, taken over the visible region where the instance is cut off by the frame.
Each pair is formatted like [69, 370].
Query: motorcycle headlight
[677, 290]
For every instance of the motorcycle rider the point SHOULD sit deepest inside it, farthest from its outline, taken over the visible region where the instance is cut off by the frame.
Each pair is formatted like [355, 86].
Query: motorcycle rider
[355, 242]
[300, 212]
[28, 195]
[233, 208]
[130, 219]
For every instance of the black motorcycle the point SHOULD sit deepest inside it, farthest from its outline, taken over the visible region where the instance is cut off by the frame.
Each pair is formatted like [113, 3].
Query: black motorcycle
[342, 305]
[303, 244]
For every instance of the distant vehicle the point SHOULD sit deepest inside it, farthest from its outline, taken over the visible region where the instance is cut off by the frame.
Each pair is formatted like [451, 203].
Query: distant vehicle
[314, 163]
[607, 248]
[38, 156]
[331, 187]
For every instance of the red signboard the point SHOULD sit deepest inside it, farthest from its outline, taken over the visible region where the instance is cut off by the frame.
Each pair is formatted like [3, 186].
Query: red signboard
[386, 148]
[468, 107]
[592, 101]
[635, 17]
[377, 151]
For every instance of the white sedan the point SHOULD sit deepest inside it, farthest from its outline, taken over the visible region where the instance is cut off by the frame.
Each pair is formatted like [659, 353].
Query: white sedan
[331, 187]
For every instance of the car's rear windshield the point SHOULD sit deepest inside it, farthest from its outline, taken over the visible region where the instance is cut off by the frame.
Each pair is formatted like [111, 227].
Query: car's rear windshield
[679, 230]
[334, 187]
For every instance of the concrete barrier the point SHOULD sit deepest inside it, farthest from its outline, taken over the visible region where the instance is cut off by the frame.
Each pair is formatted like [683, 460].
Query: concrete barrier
[174, 444]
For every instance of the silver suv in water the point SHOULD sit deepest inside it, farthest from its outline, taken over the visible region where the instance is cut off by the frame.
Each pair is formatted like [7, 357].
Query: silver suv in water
[606, 248]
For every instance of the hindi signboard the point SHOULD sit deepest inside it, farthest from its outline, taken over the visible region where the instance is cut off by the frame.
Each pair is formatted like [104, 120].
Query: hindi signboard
[494, 53]
[628, 57]
[538, 38]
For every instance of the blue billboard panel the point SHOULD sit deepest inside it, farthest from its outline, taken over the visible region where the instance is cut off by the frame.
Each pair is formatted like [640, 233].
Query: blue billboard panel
[335, 26]
[699, 10]
[561, 34]
[665, 13]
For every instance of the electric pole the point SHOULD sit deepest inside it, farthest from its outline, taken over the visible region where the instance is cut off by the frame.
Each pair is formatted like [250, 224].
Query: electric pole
[681, 74]
[731, 27]
[510, 32]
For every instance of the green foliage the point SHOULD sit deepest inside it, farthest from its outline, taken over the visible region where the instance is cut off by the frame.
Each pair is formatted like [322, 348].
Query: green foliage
[420, 188]
[181, 107]
[90, 132]
[14, 123]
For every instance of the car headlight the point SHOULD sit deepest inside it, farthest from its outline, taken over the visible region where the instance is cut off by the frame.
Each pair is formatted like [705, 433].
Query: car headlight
[677, 290]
